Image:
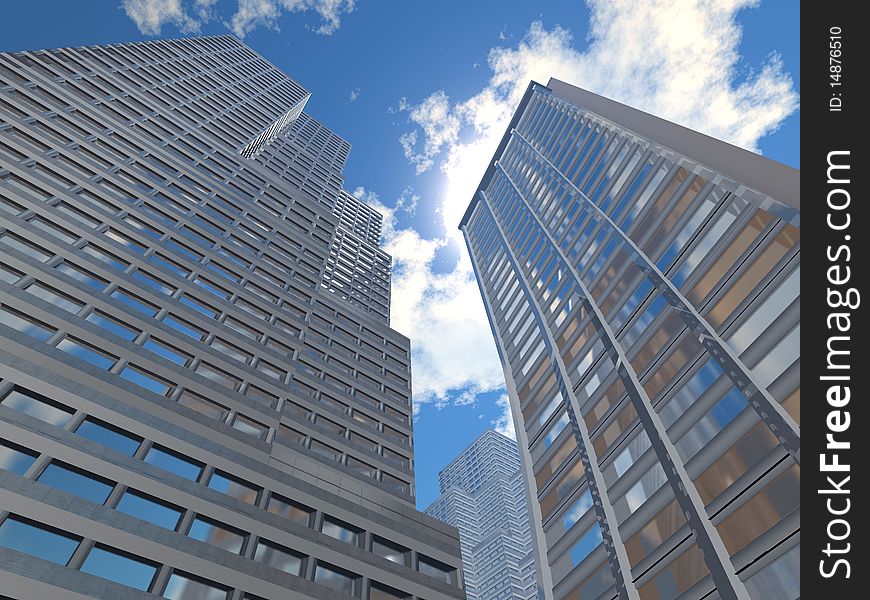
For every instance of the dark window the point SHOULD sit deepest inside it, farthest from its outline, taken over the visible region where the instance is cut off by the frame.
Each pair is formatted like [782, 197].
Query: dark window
[187, 587]
[298, 513]
[335, 578]
[279, 557]
[340, 530]
[389, 550]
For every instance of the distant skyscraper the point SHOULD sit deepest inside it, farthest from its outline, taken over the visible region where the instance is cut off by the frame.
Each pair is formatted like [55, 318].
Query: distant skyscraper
[483, 495]
[200, 394]
[642, 284]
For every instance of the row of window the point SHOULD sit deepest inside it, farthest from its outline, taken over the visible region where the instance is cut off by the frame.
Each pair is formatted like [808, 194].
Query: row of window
[103, 359]
[137, 303]
[219, 271]
[104, 561]
[98, 489]
[635, 497]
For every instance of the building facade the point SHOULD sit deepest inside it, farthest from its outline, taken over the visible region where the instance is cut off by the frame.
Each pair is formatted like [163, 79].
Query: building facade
[483, 495]
[642, 284]
[187, 409]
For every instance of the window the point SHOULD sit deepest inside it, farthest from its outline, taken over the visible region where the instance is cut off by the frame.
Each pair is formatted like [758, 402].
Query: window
[279, 557]
[148, 508]
[383, 592]
[111, 324]
[146, 379]
[335, 578]
[37, 407]
[588, 542]
[25, 247]
[26, 325]
[325, 450]
[187, 587]
[75, 481]
[389, 550]
[167, 351]
[184, 327]
[218, 375]
[82, 275]
[120, 567]
[298, 513]
[340, 530]
[233, 486]
[394, 483]
[15, 458]
[205, 407]
[109, 436]
[53, 296]
[174, 463]
[436, 569]
[216, 534]
[249, 426]
[38, 540]
[577, 510]
[135, 302]
[86, 352]
[8, 274]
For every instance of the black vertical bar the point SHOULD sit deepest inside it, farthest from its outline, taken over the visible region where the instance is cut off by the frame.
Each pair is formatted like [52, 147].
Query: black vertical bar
[834, 104]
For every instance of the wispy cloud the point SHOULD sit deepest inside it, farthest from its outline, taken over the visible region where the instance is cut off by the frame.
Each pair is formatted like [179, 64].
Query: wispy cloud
[675, 59]
[407, 202]
[440, 125]
[453, 355]
[354, 95]
[504, 424]
[151, 15]
[265, 13]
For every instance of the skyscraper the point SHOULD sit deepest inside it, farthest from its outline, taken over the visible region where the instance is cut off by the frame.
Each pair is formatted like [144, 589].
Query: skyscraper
[483, 495]
[190, 406]
[642, 284]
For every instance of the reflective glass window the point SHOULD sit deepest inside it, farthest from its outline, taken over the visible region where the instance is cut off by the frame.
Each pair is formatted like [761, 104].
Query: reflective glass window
[109, 436]
[148, 508]
[120, 567]
[75, 481]
[37, 540]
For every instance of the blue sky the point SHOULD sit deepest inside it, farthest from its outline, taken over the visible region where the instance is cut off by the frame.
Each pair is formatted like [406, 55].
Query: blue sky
[423, 90]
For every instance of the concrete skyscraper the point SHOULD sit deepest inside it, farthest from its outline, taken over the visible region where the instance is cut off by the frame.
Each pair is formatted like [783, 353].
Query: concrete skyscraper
[483, 495]
[642, 284]
[200, 393]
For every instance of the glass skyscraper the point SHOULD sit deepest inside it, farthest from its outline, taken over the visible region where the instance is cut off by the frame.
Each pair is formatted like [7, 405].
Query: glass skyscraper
[642, 284]
[200, 394]
[483, 495]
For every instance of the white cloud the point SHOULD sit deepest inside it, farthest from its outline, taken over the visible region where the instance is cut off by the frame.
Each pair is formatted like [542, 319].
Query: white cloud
[408, 201]
[504, 424]
[440, 126]
[674, 58]
[265, 13]
[151, 15]
[452, 351]
[354, 94]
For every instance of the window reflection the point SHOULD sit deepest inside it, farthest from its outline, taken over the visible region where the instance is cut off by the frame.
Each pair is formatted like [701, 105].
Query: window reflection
[41, 541]
[120, 567]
